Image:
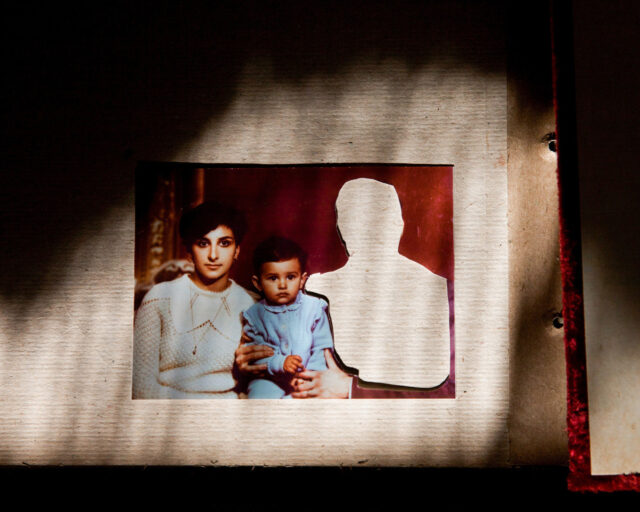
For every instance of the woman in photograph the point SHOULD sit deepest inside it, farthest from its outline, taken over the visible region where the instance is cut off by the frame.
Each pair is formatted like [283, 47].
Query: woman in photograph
[187, 329]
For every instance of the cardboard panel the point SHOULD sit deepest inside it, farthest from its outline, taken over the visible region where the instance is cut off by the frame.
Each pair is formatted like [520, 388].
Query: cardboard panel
[607, 138]
[419, 84]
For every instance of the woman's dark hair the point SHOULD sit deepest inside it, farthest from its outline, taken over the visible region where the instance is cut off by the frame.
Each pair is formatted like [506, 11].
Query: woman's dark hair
[277, 248]
[198, 221]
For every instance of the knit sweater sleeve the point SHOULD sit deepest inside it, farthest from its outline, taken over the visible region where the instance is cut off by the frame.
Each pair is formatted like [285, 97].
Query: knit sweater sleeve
[146, 353]
[146, 348]
[254, 329]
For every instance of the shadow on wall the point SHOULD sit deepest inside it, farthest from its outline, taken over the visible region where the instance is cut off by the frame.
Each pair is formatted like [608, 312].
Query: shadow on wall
[89, 94]
[537, 423]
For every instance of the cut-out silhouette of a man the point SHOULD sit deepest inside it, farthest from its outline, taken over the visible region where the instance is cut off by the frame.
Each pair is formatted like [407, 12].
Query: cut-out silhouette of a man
[390, 315]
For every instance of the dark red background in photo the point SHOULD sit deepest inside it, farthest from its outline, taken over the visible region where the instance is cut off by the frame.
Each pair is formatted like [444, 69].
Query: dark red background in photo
[298, 202]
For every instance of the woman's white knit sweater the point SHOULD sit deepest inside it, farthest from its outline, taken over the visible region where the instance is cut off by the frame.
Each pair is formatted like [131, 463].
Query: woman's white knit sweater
[185, 340]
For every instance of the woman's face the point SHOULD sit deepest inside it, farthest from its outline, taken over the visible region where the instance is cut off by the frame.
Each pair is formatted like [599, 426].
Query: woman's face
[212, 255]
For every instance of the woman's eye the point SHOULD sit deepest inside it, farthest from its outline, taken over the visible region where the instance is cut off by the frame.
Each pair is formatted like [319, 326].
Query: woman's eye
[225, 243]
[202, 243]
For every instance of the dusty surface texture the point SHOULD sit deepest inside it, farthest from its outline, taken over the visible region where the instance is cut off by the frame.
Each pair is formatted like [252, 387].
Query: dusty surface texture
[537, 423]
[414, 84]
[608, 139]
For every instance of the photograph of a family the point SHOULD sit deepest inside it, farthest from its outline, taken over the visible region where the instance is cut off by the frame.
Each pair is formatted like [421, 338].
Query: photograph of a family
[294, 282]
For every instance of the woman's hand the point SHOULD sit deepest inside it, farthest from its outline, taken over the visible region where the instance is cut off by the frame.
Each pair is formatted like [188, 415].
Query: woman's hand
[246, 354]
[331, 383]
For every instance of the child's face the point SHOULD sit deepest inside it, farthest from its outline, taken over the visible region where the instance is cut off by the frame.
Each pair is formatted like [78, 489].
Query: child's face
[280, 281]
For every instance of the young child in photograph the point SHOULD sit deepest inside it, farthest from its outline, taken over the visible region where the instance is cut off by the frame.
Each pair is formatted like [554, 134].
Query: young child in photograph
[295, 325]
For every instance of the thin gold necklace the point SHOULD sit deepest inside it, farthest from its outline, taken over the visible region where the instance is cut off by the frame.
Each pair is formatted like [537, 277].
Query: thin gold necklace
[193, 297]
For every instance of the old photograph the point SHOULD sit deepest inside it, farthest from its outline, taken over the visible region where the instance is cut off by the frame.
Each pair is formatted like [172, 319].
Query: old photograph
[294, 282]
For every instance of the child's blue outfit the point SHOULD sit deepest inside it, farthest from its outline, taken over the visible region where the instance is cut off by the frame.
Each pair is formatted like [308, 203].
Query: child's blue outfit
[301, 328]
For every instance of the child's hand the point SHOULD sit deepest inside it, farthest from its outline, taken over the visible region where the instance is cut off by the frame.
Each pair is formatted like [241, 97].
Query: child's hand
[293, 364]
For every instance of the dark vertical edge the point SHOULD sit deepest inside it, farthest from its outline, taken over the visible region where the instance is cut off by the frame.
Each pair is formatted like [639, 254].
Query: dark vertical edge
[570, 242]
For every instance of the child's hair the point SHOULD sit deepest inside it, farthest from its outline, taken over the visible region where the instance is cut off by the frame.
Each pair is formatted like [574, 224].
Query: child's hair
[277, 248]
[198, 221]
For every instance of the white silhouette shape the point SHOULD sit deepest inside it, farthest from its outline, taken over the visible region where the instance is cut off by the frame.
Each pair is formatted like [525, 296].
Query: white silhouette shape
[390, 315]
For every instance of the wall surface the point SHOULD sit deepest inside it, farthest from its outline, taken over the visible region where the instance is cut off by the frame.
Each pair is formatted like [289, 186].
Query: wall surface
[89, 99]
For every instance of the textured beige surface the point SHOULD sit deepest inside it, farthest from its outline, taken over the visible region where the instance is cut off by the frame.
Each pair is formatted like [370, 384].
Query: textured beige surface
[434, 93]
[389, 315]
[537, 419]
[73, 379]
[608, 141]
